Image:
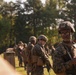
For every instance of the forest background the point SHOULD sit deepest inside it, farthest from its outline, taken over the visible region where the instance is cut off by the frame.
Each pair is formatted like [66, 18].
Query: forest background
[20, 20]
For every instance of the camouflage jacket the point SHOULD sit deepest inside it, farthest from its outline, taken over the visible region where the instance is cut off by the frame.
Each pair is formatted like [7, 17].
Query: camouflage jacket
[40, 51]
[28, 52]
[61, 58]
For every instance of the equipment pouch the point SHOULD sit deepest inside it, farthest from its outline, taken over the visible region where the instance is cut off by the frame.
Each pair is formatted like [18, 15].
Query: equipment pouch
[34, 59]
[40, 62]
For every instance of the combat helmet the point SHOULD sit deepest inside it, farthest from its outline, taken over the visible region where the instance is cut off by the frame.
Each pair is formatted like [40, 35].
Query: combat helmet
[20, 43]
[25, 45]
[66, 25]
[42, 37]
[32, 38]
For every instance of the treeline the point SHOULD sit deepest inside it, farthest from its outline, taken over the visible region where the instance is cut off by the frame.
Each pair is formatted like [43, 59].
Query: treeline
[20, 20]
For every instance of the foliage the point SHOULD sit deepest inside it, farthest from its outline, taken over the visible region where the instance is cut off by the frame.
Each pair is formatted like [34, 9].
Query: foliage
[33, 18]
[71, 12]
[4, 32]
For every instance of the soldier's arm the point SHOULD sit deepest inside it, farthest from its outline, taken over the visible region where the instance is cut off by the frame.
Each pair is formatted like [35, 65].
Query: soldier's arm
[30, 46]
[43, 55]
[59, 66]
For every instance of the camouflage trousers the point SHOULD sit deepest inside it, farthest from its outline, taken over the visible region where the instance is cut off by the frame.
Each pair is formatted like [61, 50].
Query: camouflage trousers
[29, 69]
[38, 70]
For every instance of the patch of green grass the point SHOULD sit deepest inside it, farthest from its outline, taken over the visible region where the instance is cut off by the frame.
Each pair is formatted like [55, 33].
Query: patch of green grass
[19, 69]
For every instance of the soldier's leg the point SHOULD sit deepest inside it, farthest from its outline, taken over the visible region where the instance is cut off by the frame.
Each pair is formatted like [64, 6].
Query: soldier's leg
[38, 71]
[20, 60]
[28, 69]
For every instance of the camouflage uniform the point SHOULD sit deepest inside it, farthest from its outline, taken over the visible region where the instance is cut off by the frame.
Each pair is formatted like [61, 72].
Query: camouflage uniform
[32, 41]
[64, 53]
[39, 57]
[19, 52]
[24, 54]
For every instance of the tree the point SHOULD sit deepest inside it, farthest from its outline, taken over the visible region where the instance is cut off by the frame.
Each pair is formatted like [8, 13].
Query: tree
[7, 12]
[4, 32]
[68, 12]
[22, 29]
[31, 18]
[72, 12]
[36, 14]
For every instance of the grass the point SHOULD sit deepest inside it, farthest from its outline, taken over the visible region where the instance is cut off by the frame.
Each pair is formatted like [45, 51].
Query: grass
[19, 69]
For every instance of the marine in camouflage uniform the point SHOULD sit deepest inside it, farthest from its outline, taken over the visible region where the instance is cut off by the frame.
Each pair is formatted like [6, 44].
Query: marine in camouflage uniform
[39, 56]
[64, 58]
[24, 54]
[32, 42]
[19, 53]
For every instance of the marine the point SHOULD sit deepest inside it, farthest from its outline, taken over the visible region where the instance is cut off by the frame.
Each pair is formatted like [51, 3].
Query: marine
[39, 56]
[27, 56]
[64, 57]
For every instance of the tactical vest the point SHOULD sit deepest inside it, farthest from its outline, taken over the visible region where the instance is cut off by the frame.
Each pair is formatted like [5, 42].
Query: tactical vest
[27, 54]
[36, 57]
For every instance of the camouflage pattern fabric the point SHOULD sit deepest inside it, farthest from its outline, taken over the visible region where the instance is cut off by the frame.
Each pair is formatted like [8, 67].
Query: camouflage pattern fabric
[38, 70]
[28, 58]
[39, 51]
[61, 59]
